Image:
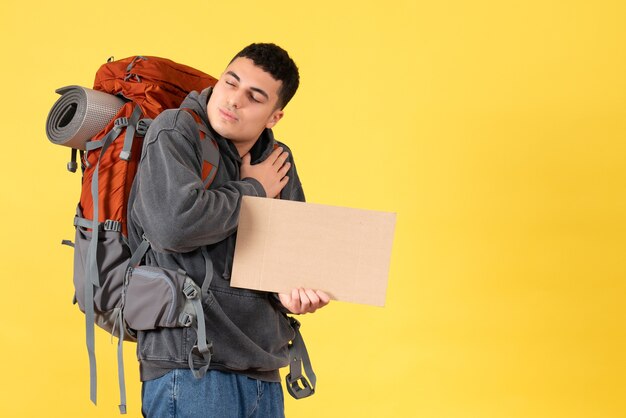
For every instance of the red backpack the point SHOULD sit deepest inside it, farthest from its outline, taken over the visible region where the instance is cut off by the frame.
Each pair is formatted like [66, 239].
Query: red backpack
[109, 162]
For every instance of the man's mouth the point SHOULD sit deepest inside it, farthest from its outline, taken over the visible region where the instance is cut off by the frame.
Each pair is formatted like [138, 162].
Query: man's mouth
[228, 115]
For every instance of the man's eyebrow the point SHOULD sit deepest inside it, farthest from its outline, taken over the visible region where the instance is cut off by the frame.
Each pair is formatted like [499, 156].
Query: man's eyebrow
[233, 75]
[261, 92]
[255, 89]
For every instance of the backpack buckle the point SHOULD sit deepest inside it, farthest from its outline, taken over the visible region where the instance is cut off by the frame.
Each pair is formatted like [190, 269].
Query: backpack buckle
[190, 290]
[121, 122]
[111, 225]
[185, 319]
[299, 388]
[142, 126]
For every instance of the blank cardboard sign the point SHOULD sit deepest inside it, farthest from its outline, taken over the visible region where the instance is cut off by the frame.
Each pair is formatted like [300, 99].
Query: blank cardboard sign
[282, 245]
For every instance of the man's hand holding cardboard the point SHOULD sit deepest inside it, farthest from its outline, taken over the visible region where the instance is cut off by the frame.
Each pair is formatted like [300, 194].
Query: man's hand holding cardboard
[302, 301]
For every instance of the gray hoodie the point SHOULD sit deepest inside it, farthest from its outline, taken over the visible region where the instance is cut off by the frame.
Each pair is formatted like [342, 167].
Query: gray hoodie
[169, 204]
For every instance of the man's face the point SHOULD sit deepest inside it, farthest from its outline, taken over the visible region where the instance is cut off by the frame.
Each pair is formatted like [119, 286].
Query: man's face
[243, 102]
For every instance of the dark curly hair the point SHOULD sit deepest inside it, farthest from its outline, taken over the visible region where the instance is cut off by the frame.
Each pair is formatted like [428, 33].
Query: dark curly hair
[277, 62]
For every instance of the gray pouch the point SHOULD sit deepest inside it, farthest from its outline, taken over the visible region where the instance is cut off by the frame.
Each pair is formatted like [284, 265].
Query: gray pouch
[112, 260]
[157, 297]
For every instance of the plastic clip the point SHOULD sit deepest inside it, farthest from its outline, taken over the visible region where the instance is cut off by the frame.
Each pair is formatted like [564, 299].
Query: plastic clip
[121, 122]
[190, 291]
[298, 388]
[142, 126]
[185, 319]
[111, 225]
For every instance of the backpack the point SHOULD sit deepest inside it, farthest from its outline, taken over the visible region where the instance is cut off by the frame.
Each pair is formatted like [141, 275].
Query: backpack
[134, 90]
[106, 126]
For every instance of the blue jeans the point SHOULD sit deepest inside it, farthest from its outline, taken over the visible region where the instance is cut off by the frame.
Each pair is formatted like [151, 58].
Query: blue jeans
[218, 395]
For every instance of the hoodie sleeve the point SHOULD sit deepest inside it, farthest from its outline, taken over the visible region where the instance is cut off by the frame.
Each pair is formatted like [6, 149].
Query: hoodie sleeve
[171, 204]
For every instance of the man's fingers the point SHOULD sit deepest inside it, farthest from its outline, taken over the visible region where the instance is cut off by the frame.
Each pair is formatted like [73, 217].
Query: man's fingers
[291, 300]
[280, 161]
[302, 301]
[284, 169]
[295, 301]
[312, 296]
[271, 159]
[324, 298]
[318, 299]
[285, 299]
[305, 302]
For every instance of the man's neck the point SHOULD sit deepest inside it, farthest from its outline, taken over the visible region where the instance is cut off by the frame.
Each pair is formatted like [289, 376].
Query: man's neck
[243, 149]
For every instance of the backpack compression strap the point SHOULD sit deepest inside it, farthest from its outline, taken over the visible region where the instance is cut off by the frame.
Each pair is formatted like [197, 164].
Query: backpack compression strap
[297, 384]
[120, 359]
[92, 274]
[194, 296]
[119, 322]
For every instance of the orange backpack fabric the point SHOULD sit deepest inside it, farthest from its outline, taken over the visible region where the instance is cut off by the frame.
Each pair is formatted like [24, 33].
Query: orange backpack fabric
[154, 84]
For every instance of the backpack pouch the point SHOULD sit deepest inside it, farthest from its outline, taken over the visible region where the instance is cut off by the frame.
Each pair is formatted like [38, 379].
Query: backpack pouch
[156, 297]
[112, 258]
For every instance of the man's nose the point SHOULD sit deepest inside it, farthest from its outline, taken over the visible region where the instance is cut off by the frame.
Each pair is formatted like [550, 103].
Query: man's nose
[235, 100]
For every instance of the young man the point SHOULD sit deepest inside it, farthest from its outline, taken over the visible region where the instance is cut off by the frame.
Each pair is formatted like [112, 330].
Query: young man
[184, 222]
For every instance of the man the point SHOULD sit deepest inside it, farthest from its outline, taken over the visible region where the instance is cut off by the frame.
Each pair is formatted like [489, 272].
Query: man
[183, 222]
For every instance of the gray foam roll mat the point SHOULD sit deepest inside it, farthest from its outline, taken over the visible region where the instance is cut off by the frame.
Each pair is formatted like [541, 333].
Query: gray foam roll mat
[79, 114]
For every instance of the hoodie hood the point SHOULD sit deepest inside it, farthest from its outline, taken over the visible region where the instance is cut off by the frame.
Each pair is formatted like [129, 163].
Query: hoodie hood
[261, 149]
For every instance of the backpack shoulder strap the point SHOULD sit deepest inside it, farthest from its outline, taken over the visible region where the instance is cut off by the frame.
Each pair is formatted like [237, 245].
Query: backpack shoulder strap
[210, 150]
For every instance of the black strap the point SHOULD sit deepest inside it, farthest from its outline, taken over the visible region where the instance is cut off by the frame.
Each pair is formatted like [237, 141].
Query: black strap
[72, 165]
[297, 384]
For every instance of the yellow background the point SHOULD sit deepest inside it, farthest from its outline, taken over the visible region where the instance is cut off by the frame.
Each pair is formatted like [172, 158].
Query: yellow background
[495, 130]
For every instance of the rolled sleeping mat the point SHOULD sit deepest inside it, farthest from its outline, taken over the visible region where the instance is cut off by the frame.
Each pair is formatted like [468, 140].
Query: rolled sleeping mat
[79, 114]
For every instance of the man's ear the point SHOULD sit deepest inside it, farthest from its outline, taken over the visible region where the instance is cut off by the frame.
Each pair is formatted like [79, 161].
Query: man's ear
[274, 118]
